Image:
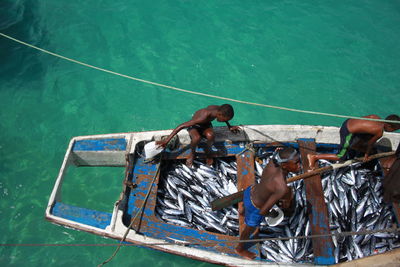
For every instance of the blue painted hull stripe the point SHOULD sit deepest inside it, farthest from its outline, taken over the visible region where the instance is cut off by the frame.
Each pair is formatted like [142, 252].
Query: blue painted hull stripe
[93, 218]
[324, 260]
[100, 145]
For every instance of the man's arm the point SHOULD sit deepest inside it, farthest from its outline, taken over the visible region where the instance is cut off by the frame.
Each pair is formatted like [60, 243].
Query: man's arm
[367, 127]
[164, 142]
[286, 200]
[184, 125]
[272, 200]
[233, 129]
[371, 143]
[199, 118]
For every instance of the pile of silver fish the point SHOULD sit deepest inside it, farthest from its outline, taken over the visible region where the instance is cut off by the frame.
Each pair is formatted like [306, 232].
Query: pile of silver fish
[353, 195]
[185, 195]
[354, 199]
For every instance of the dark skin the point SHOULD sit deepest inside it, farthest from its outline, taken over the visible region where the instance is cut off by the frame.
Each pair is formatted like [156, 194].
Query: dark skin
[202, 116]
[386, 163]
[355, 126]
[266, 194]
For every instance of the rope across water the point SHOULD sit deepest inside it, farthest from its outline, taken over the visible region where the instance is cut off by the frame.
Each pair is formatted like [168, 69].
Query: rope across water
[392, 230]
[189, 91]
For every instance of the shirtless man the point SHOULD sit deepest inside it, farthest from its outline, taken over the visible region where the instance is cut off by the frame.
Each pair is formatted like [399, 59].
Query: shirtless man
[358, 135]
[200, 126]
[391, 183]
[258, 199]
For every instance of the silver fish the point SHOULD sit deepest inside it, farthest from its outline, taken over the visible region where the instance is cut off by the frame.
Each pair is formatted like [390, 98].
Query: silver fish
[218, 227]
[173, 212]
[170, 204]
[186, 193]
[179, 222]
[199, 177]
[171, 191]
[188, 212]
[180, 202]
[202, 201]
[284, 248]
[187, 169]
[232, 225]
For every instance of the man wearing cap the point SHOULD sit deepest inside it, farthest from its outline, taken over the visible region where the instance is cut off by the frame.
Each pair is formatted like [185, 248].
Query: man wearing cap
[258, 199]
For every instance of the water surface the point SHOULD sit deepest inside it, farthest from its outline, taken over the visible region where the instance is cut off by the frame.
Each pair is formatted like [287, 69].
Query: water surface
[336, 57]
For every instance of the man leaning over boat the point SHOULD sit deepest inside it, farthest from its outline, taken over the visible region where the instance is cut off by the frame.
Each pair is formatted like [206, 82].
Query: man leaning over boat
[358, 136]
[200, 126]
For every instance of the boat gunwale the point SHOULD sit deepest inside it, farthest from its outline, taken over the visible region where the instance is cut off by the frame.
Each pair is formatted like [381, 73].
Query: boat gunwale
[116, 227]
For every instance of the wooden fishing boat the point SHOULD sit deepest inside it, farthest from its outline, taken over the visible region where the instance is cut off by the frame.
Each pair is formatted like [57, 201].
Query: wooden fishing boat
[134, 212]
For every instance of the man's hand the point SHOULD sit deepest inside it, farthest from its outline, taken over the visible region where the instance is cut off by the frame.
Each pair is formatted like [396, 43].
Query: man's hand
[161, 143]
[234, 129]
[366, 158]
[272, 213]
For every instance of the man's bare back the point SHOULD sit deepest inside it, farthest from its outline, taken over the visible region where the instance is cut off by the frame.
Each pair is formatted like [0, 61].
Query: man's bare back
[358, 135]
[271, 189]
[205, 115]
[272, 183]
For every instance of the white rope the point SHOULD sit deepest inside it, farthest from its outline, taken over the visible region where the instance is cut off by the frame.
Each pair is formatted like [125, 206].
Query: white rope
[188, 91]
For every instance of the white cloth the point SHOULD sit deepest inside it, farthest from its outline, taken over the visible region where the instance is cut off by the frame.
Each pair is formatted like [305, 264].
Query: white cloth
[151, 150]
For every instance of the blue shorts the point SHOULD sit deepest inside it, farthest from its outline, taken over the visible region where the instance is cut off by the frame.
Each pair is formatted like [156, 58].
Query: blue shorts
[252, 216]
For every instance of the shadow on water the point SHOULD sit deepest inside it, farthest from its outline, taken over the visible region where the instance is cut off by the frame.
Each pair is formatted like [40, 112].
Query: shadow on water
[21, 20]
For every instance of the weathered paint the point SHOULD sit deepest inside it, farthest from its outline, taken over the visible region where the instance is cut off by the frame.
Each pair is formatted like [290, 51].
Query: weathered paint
[109, 144]
[387, 259]
[266, 134]
[81, 215]
[225, 149]
[153, 227]
[142, 174]
[321, 147]
[149, 225]
[322, 246]
[246, 178]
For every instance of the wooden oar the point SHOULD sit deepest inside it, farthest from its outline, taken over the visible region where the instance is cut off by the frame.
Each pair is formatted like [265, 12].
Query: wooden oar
[229, 200]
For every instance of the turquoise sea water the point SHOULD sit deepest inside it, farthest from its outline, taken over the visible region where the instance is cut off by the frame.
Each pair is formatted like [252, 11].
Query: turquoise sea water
[337, 57]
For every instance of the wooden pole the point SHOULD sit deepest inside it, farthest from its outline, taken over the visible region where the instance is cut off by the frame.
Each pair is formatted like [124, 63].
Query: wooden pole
[316, 208]
[229, 200]
[336, 166]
